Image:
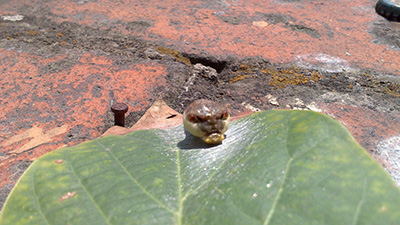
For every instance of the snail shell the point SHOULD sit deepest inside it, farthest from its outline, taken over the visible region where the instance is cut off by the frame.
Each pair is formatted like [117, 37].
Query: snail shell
[206, 119]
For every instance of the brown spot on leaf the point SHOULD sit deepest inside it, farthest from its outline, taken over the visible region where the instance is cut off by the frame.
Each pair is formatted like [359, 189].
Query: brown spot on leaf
[59, 161]
[67, 196]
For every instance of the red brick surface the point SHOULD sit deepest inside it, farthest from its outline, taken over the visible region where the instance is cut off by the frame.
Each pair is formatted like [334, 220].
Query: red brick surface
[338, 28]
[78, 98]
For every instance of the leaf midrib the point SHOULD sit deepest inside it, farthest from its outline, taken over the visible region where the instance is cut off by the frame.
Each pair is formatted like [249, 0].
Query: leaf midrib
[37, 200]
[360, 203]
[178, 167]
[287, 169]
[87, 192]
[280, 190]
[136, 182]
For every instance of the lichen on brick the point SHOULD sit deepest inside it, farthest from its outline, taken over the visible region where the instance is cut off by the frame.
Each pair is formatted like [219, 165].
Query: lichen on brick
[280, 78]
[243, 72]
[32, 32]
[238, 78]
[176, 54]
[385, 87]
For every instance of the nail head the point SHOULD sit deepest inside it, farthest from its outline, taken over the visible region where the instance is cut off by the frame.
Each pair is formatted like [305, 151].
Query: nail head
[119, 108]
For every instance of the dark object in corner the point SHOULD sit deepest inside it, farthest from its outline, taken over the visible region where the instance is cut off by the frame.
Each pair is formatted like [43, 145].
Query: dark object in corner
[389, 9]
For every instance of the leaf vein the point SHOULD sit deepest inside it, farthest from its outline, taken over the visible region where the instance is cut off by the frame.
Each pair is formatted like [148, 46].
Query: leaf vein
[360, 203]
[135, 181]
[38, 202]
[87, 192]
[280, 190]
[188, 194]
[181, 200]
[278, 196]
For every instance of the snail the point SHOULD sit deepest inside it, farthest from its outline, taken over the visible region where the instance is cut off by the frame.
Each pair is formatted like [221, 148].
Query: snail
[206, 119]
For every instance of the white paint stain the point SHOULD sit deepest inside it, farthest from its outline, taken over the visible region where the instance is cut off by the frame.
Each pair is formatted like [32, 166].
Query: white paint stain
[13, 18]
[324, 62]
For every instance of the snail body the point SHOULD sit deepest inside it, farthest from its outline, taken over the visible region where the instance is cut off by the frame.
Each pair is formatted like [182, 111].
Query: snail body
[206, 119]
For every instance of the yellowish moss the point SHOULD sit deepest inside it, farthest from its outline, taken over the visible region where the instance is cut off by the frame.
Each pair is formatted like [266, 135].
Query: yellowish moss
[243, 72]
[390, 89]
[246, 68]
[32, 32]
[280, 78]
[238, 78]
[176, 54]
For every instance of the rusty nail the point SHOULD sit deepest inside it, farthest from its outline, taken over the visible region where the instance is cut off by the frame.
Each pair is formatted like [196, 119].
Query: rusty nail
[119, 110]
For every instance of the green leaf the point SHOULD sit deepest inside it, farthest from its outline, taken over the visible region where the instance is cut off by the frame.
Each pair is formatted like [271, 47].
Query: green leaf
[274, 167]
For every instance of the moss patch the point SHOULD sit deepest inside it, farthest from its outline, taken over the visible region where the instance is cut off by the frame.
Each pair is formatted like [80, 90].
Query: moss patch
[238, 78]
[176, 54]
[243, 72]
[388, 88]
[32, 32]
[280, 78]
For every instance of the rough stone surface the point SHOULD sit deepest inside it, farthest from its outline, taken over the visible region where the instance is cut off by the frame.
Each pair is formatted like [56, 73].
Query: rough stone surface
[64, 63]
